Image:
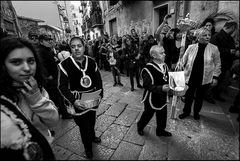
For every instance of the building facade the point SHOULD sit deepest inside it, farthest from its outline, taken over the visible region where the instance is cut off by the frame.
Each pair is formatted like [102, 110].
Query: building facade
[65, 17]
[145, 16]
[55, 32]
[77, 20]
[9, 19]
[29, 26]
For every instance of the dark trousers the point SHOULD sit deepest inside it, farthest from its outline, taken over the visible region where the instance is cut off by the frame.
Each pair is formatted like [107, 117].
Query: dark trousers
[200, 92]
[57, 98]
[161, 117]
[223, 82]
[86, 123]
[134, 70]
[116, 74]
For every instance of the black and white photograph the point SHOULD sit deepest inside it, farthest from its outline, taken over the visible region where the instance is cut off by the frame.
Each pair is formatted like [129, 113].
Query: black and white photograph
[119, 80]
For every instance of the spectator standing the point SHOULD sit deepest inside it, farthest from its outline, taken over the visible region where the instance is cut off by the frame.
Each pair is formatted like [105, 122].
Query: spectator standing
[202, 67]
[135, 37]
[27, 113]
[172, 46]
[114, 61]
[64, 52]
[131, 53]
[209, 24]
[51, 74]
[226, 45]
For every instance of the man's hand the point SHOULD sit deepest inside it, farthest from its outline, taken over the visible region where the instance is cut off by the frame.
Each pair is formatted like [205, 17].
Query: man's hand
[166, 17]
[79, 104]
[214, 82]
[165, 87]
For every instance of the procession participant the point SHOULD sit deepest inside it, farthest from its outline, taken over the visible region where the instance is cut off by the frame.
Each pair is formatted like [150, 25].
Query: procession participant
[79, 74]
[155, 83]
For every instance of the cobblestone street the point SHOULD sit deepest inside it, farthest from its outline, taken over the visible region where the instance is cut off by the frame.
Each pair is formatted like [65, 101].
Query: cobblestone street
[214, 137]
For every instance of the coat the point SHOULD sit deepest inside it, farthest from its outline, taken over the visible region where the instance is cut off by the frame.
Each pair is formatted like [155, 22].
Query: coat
[212, 62]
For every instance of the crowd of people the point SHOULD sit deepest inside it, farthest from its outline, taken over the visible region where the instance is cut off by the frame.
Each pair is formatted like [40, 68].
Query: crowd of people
[41, 79]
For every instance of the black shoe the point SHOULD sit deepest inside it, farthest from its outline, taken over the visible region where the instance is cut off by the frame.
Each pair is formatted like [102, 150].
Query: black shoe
[196, 116]
[183, 115]
[140, 132]
[132, 89]
[139, 86]
[96, 140]
[232, 109]
[210, 100]
[120, 84]
[115, 84]
[220, 98]
[89, 154]
[164, 133]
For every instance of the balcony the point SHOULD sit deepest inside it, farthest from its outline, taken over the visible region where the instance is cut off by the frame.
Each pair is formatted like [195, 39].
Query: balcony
[96, 20]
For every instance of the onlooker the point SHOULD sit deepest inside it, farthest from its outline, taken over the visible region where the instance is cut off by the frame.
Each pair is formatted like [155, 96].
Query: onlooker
[155, 83]
[202, 68]
[172, 45]
[132, 55]
[209, 24]
[103, 54]
[51, 74]
[135, 37]
[235, 107]
[114, 61]
[162, 30]
[226, 45]
[79, 74]
[27, 113]
[63, 52]
[146, 46]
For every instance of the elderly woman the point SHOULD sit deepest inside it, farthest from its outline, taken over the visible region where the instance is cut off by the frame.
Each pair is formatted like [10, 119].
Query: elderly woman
[202, 68]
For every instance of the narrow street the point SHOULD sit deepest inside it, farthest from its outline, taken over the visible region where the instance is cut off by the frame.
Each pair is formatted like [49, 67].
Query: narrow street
[214, 137]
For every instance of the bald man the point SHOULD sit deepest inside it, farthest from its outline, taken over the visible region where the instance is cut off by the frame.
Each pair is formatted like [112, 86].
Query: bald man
[155, 84]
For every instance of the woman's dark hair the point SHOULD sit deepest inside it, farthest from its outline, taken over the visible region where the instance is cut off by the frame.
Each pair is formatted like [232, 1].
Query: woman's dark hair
[150, 37]
[9, 44]
[210, 20]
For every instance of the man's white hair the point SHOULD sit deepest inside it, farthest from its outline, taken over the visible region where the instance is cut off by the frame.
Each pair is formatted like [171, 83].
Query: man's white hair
[155, 49]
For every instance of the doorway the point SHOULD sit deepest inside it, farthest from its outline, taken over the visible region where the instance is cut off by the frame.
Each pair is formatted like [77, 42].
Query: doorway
[162, 11]
[113, 26]
[158, 15]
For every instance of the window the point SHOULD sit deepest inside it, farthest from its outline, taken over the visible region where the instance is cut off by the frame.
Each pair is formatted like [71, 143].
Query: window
[74, 15]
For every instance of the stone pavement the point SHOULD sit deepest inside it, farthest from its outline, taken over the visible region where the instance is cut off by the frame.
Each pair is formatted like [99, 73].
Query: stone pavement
[214, 137]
